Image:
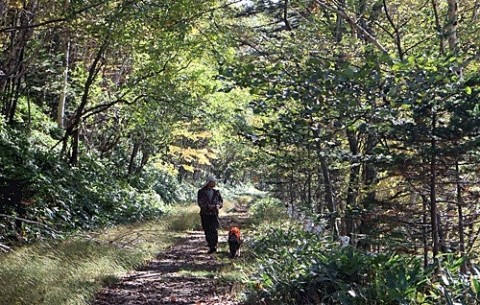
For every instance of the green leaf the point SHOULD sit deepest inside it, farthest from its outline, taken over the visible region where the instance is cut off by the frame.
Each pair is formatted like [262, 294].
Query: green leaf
[475, 284]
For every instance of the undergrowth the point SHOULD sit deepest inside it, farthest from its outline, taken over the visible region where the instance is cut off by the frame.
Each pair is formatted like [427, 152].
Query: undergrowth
[285, 265]
[297, 267]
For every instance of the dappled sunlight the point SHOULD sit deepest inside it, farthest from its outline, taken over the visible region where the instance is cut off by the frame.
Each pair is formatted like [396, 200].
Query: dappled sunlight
[184, 274]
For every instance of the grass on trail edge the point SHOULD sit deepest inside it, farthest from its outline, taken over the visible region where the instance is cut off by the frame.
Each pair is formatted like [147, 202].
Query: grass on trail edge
[71, 271]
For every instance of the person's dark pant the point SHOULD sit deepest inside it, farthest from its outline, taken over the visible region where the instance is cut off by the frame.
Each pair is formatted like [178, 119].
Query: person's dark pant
[210, 225]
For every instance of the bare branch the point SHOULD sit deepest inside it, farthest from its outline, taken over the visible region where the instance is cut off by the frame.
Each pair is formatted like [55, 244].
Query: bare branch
[5, 248]
[398, 40]
[31, 222]
[102, 107]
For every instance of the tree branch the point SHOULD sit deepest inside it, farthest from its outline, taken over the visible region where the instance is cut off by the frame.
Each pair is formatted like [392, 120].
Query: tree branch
[353, 23]
[5, 248]
[31, 222]
[398, 40]
[285, 15]
[58, 20]
[102, 107]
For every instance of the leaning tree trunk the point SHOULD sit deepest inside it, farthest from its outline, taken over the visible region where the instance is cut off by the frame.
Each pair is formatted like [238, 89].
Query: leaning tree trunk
[72, 132]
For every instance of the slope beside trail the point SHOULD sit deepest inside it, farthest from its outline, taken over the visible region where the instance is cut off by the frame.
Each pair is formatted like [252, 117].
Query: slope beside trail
[184, 274]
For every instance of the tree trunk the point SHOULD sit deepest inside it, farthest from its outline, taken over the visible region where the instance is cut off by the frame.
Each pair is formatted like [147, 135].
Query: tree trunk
[328, 187]
[369, 181]
[461, 233]
[14, 66]
[424, 231]
[396, 30]
[370, 171]
[73, 129]
[442, 234]
[133, 156]
[309, 180]
[16, 88]
[352, 188]
[75, 139]
[143, 162]
[320, 201]
[340, 25]
[451, 26]
[438, 26]
[476, 9]
[433, 194]
[63, 95]
[451, 32]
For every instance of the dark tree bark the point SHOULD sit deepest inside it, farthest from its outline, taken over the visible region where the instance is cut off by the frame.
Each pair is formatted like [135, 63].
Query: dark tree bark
[424, 230]
[328, 188]
[352, 188]
[397, 36]
[438, 26]
[14, 66]
[133, 156]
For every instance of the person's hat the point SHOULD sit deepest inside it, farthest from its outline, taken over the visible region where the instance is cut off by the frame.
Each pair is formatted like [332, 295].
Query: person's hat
[210, 179]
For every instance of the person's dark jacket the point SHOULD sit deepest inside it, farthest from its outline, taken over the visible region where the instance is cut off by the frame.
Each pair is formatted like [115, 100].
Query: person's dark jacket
[209, 207]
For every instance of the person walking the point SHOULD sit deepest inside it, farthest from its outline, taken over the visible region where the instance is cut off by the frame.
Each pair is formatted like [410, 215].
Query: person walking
[210, 202]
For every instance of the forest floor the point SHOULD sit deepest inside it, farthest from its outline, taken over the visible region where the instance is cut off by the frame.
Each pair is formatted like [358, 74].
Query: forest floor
[183, 274]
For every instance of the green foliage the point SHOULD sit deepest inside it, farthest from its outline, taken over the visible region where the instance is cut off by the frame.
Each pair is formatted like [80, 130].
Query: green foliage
[162, 183]
[453, 287]
[297, 267]
[267, 210]
[46, 190]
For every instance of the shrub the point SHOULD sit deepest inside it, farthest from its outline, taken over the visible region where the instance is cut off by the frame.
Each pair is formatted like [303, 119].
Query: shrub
[54, 196]
[267, 210]
[297, 267]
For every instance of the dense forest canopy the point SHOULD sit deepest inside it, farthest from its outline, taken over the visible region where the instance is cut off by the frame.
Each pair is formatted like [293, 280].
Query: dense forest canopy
[370, 115]
[362, 114]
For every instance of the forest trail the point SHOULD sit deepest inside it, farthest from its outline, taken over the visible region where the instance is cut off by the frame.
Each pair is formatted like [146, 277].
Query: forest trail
[183, 274]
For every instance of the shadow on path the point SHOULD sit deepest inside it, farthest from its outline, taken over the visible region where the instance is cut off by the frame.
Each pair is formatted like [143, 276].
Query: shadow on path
[184, 274]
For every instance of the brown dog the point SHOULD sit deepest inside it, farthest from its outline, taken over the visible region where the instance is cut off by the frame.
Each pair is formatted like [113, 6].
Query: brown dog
[234, 241]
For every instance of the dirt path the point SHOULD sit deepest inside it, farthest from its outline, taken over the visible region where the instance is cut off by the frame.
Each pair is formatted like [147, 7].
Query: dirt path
[184, 274]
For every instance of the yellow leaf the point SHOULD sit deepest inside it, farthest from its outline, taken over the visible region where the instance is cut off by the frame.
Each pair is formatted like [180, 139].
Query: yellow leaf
[188, 168]
[202, 159]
